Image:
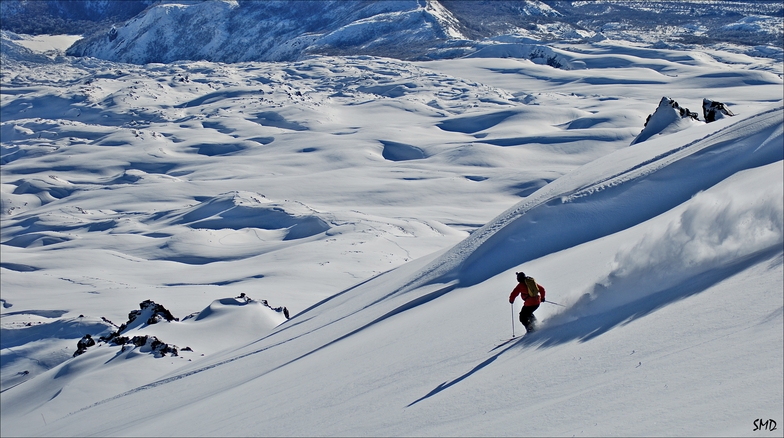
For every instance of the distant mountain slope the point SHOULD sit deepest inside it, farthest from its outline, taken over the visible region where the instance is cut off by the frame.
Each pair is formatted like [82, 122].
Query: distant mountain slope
[230, 31]
[141, 31]
[66, 16]
[244, 30]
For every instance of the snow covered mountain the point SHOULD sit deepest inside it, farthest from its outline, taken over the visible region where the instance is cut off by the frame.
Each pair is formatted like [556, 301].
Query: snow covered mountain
[232, 31]
[66, 16]
[177, 212]
[240, 30]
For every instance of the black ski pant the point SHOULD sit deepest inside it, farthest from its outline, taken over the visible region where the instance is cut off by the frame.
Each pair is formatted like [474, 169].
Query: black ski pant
[527, 315]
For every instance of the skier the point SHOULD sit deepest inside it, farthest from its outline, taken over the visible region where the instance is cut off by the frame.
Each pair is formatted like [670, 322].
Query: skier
[532, 294]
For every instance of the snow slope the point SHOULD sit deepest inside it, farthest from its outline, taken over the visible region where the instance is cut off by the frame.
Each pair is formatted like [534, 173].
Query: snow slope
[387, 205]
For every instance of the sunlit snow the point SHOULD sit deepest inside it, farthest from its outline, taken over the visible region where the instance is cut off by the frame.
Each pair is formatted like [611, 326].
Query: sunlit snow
[387, 205]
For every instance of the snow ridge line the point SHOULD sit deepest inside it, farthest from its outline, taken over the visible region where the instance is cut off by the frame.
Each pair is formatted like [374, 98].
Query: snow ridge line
[445, 266]
[660, 161]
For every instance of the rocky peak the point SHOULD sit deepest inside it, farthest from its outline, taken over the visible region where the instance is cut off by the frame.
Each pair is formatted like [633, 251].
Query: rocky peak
[668, 118]
[713, 110]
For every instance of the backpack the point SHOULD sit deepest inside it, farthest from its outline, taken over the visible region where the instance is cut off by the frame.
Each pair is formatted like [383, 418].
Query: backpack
[533, 289]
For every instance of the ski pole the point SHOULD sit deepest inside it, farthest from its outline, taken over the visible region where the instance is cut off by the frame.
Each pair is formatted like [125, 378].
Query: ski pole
[555, 303]
[512, 305]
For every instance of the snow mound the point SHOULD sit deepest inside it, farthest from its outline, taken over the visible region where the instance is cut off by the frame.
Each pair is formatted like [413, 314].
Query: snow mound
[32, 343]
[229, 307]
[395, 151]
[238, 210]
[129, 356]
[15, 333]
[47, 190]
[668, 118]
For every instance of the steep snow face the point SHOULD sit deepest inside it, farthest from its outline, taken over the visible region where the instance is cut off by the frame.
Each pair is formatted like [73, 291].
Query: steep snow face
[448, 23]
[668, 118]
[572, 202]
[243, 31]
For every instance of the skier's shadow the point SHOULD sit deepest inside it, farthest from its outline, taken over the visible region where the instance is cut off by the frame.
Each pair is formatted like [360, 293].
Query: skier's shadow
[589, 327]
[447, 384]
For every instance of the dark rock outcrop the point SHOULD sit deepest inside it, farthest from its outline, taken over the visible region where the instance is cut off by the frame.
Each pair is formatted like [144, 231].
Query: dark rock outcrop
[153, 345]
[669, 117]
[280, 309]
[83, 344]
[149, 313]
[713, 110]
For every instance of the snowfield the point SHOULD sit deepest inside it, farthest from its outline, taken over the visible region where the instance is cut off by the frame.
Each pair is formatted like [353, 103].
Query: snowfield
[387, 205]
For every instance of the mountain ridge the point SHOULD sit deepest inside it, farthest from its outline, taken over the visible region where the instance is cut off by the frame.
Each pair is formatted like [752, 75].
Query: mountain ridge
[244, 30]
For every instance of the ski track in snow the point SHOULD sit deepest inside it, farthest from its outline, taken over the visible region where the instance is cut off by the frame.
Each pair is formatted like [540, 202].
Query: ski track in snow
[372, 198]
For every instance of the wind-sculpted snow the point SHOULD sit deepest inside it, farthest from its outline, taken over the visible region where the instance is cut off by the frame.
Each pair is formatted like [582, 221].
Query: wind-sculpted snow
[122, 356]
[517, 235]
[35, 341]
[672, 251]
[386, 205]
[251, 210]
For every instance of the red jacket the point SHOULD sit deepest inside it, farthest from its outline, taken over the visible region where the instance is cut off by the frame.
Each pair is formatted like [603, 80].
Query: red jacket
[522, 290]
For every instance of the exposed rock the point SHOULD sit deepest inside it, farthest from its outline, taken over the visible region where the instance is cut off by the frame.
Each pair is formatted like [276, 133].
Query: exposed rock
[149, 313]
[279, 309]
[81, 346]
[119, 340]
[153, 345]
[713, 110]
[669, 117]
